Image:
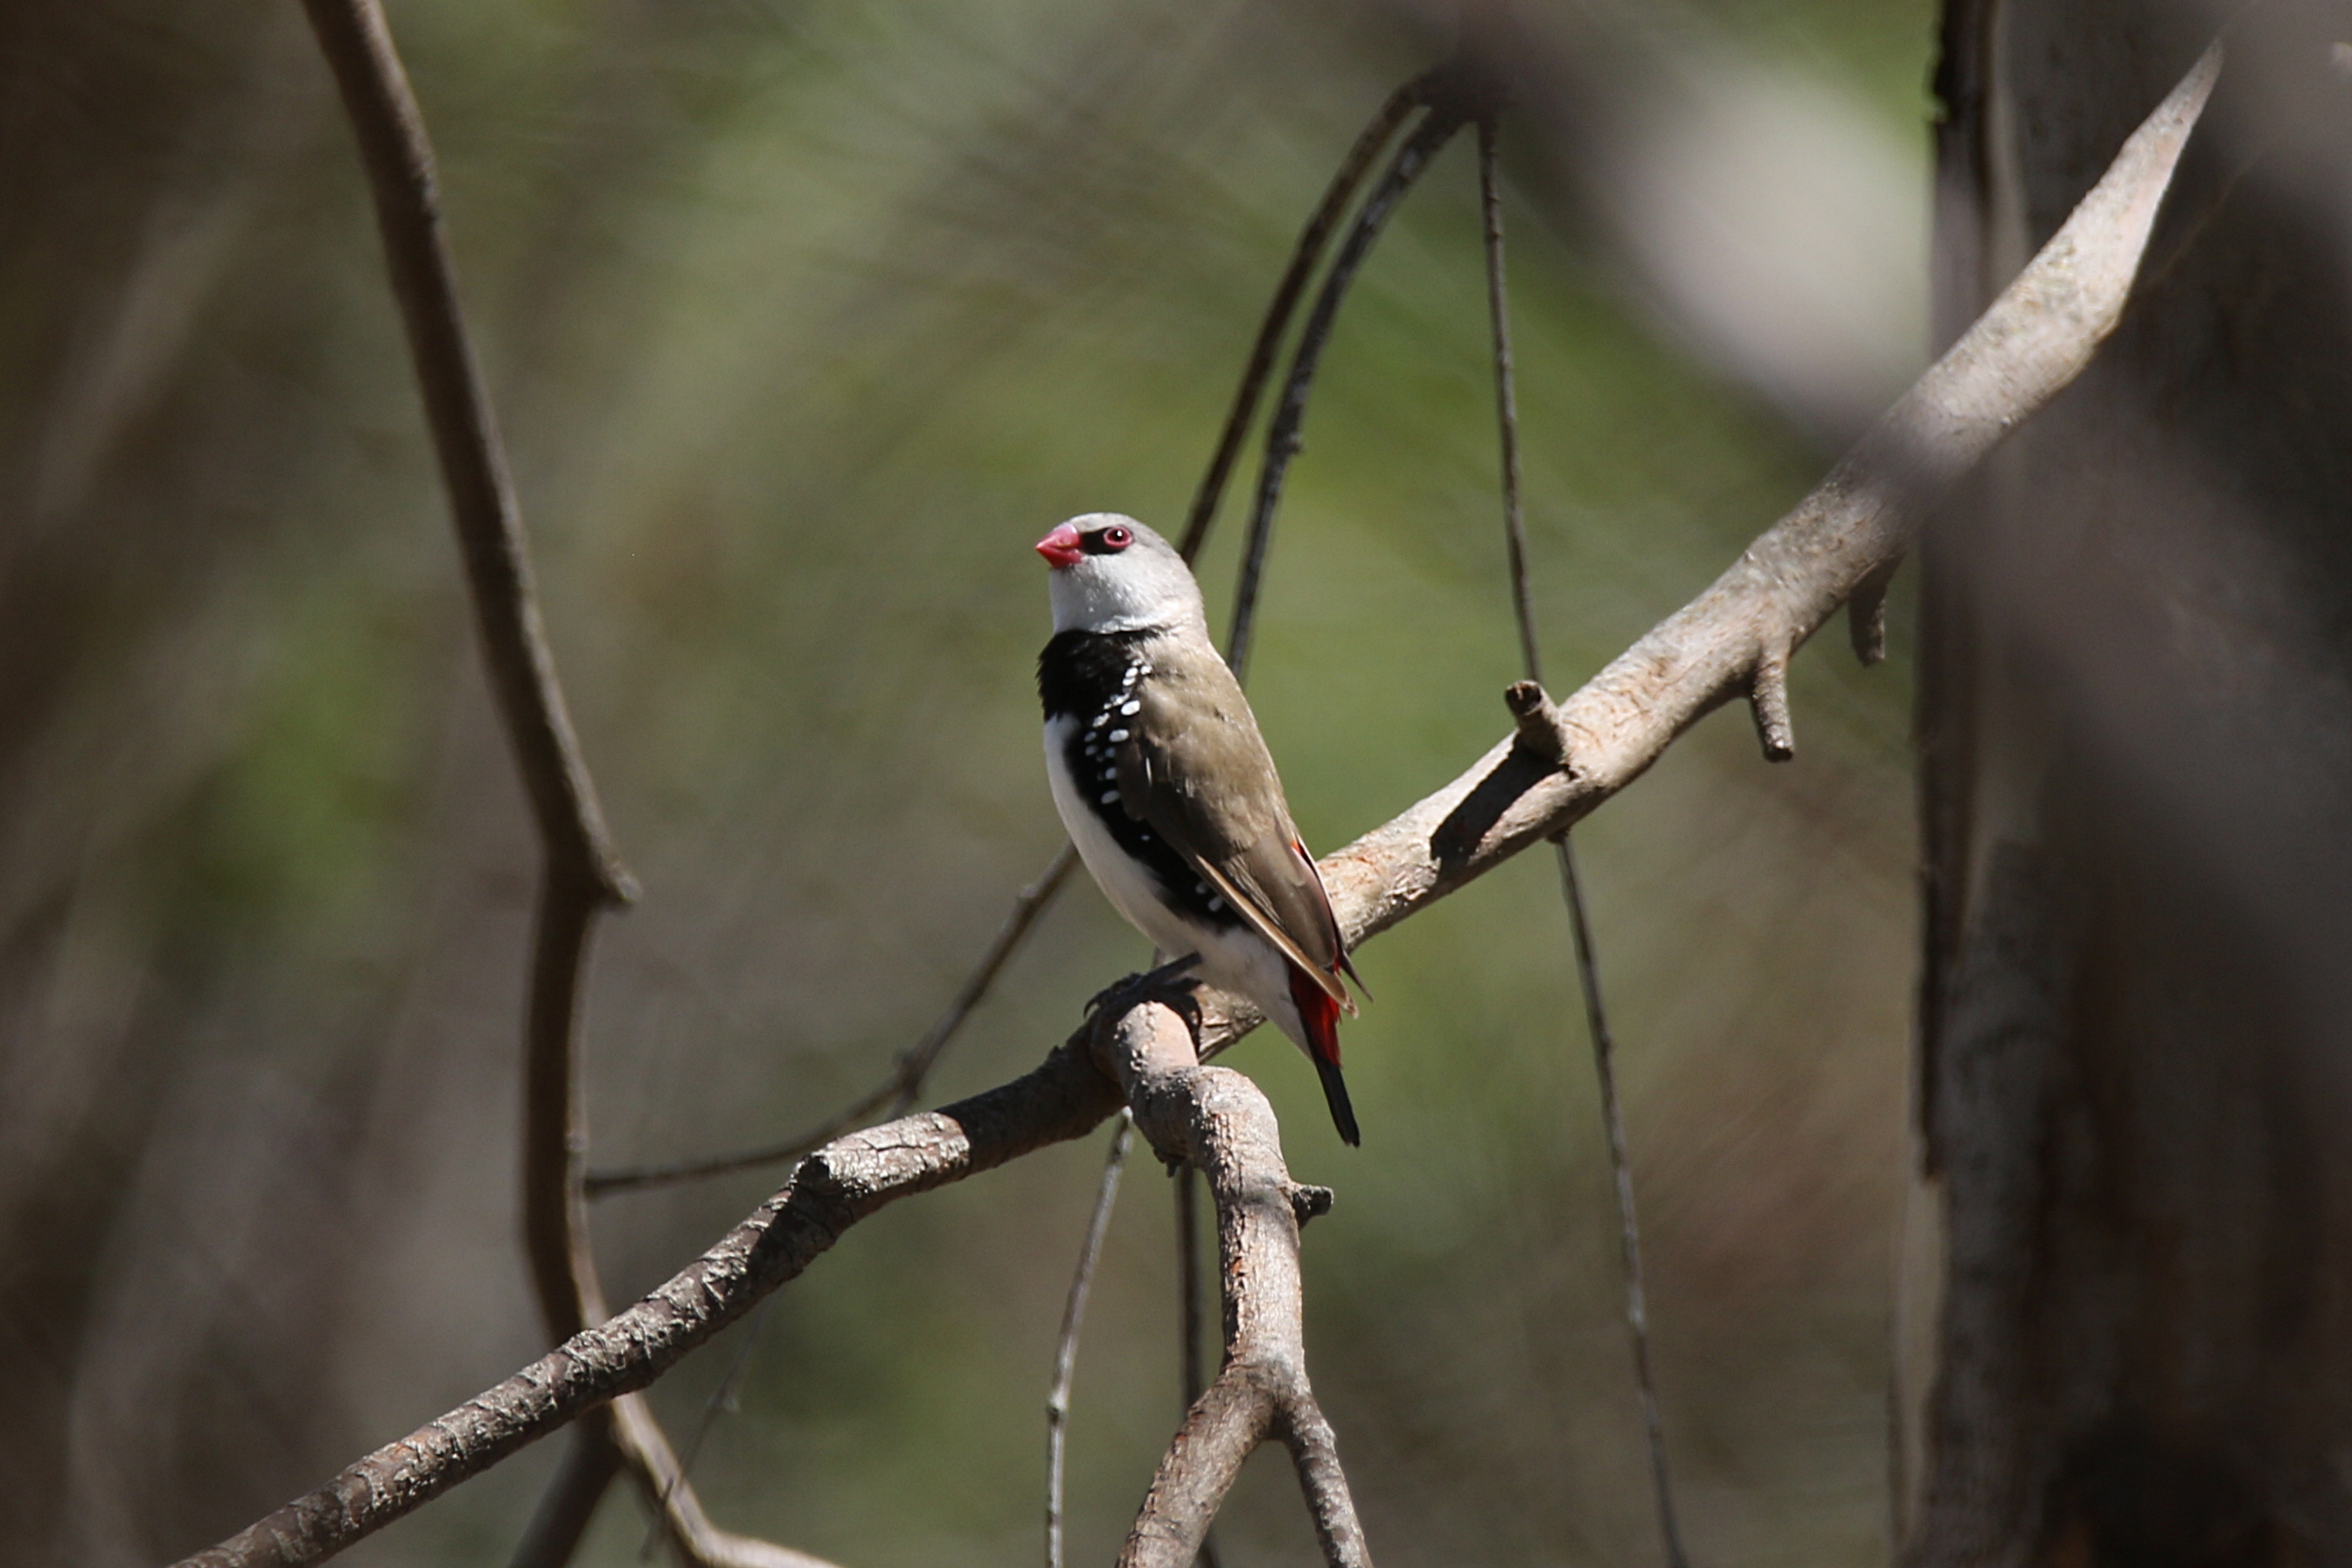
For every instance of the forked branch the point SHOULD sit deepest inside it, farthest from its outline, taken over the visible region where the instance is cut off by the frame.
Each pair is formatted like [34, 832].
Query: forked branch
[1216, 1120]
[2034, 341]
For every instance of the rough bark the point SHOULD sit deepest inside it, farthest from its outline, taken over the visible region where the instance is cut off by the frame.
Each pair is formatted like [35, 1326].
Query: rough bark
[2135, 688]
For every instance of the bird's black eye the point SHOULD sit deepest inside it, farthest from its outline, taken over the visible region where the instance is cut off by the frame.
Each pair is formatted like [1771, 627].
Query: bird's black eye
[1109, 541]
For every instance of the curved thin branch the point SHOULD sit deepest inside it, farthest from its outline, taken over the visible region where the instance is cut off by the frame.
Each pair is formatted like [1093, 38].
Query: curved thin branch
[560, 1521]
[1284, 441]
[1303, 258]
[900, 1090]
[2034, 339]
[399, 160]
[1629, 1228]
[625, 1434]
[677, 1509]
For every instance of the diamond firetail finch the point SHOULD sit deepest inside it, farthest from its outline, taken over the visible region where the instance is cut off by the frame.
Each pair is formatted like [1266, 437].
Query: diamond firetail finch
[1169, 792]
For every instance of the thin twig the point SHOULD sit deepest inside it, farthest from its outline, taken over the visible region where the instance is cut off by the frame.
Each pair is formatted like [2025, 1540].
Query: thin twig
[722, 1398]
[898, 1092]
[1065, 1345]
[2031, 345]
[1303, 258]
[1283, 441]
[1507, 402]
[560, 1521]
[1629, 1233]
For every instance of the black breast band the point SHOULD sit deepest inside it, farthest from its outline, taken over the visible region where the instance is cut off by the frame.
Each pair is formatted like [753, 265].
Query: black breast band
[1085, 677]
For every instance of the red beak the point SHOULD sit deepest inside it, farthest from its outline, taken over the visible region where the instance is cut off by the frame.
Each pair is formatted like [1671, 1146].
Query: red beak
[1061, 548]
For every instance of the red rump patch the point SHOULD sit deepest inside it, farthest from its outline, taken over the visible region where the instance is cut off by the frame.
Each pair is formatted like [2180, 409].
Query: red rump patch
[1319, 1011]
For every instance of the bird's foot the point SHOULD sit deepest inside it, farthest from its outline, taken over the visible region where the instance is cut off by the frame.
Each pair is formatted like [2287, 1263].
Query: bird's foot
[1170, 985]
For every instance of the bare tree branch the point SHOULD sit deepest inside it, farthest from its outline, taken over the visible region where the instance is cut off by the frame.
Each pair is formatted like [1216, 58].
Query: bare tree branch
[1629, 1226]
[2034, 341]
[399, 160]
[1506, 400]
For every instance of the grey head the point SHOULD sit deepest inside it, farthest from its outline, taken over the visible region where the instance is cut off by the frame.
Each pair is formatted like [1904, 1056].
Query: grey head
[1110, 574]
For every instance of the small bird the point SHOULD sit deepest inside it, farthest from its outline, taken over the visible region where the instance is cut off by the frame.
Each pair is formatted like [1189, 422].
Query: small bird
[1169, 792]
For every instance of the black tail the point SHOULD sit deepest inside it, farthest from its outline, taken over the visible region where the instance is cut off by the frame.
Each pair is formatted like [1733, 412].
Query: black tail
[1334, 1092]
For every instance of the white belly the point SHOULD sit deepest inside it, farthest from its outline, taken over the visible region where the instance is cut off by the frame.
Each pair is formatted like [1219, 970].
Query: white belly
[1233, 958]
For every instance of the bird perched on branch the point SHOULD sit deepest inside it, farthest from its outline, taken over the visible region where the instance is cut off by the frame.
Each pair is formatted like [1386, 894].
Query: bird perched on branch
[1169, 792]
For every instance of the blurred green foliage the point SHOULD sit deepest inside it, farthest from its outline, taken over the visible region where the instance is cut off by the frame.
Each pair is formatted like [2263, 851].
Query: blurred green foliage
[802, 321]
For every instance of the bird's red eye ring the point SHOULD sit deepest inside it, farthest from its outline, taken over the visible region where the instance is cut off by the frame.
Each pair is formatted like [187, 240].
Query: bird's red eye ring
[1117, 538]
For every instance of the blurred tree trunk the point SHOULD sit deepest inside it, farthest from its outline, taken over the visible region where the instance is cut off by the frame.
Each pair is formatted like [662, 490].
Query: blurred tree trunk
[2135, 727]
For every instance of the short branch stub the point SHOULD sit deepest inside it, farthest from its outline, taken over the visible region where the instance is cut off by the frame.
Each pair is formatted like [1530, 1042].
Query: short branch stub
[1541, 734]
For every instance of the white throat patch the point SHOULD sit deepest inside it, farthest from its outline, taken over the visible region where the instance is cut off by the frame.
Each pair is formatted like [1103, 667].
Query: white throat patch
[1144, 588]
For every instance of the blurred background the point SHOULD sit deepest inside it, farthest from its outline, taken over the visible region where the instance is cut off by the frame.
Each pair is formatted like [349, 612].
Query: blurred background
[803, 318]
